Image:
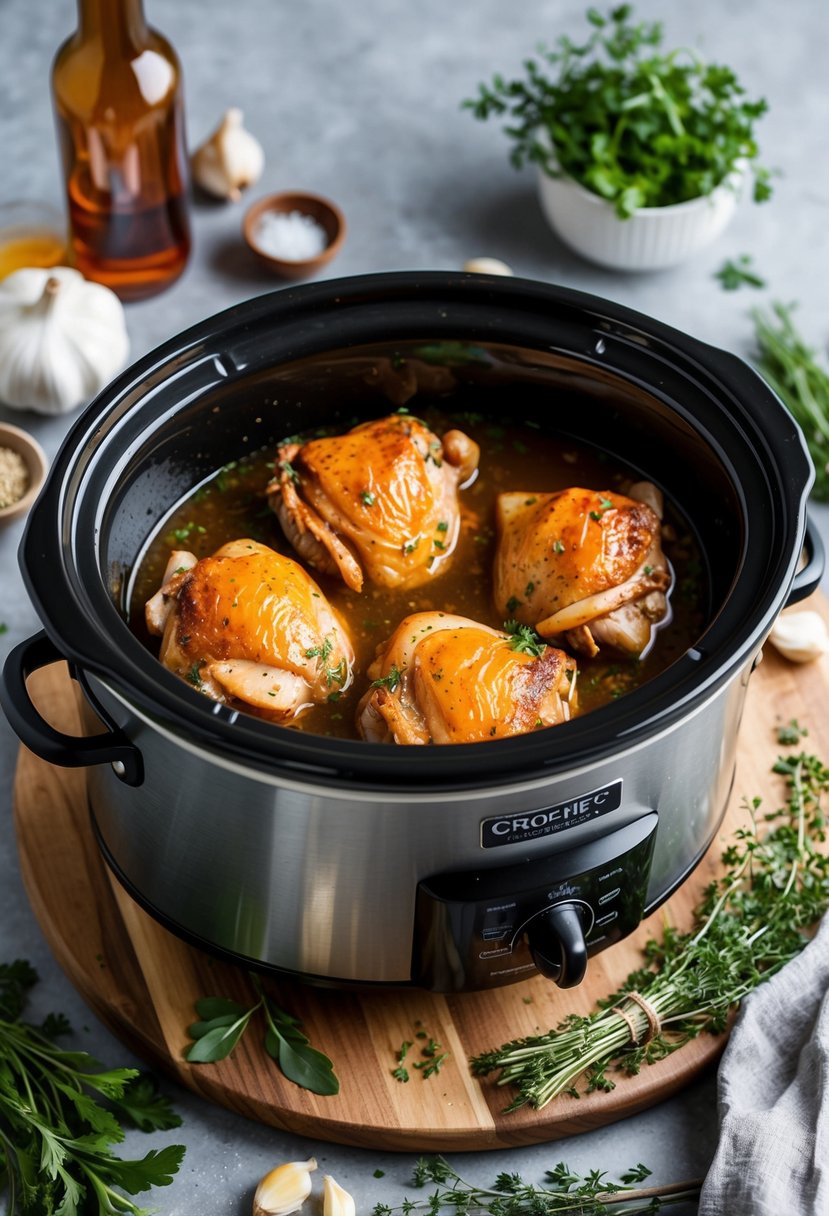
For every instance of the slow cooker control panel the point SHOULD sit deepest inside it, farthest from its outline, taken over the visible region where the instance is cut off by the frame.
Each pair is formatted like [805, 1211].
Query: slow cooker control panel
[483, 928]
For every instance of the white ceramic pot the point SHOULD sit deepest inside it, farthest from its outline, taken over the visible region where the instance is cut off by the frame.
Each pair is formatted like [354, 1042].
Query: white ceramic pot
[653, 238]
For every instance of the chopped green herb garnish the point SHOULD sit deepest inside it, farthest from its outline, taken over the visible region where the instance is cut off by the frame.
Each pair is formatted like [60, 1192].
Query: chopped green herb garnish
[512, 603]
[443, 526]
[289, 471]
[791, 734]
[524, 639]
[738, 273]
[558, 546]
[320, 652]
[368, 498]
[390, 681]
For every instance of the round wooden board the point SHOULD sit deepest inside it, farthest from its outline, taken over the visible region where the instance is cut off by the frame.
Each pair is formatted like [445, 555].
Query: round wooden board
[142, 981]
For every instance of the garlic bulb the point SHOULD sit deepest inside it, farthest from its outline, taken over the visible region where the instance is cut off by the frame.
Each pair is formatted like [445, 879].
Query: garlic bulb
[284, 1189]
[61, 339]
[800, 636]
[230, 160]
[335, 1200]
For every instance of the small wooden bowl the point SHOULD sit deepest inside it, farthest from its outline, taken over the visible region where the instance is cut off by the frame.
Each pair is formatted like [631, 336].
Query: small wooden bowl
[325, 213]
[35, 459]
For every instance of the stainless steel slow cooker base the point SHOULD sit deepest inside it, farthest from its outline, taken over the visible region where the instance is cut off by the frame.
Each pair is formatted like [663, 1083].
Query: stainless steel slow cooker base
[266, 881]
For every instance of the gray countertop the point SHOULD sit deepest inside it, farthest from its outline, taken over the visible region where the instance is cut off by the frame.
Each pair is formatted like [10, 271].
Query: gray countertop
[360, 102]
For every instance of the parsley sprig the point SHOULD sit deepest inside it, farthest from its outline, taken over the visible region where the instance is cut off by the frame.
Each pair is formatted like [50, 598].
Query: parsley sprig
[60, 1115]
[633, 123]
[564, 1193]
[750, 923]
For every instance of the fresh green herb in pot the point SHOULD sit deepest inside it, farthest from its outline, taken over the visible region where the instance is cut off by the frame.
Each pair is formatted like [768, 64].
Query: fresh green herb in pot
[749, 924]
[565, 1193]
[56, 1135]
[636, 124]
[222, 1023]
[792, 370]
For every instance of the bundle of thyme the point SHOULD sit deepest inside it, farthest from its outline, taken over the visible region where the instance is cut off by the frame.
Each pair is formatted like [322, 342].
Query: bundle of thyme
[749, 924]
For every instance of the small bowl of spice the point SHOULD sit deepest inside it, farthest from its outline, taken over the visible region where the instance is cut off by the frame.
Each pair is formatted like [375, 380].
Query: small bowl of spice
[23, 468]
[294, 234]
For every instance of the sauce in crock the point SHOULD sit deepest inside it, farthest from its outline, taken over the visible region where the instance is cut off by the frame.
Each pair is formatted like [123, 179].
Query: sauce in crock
[232, 504]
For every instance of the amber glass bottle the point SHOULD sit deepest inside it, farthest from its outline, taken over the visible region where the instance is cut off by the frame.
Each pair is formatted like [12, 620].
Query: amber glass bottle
[116, 88]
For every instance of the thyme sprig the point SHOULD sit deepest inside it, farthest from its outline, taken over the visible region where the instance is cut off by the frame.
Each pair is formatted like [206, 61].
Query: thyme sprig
[792, 369]
[565, 1194]
[749, 924]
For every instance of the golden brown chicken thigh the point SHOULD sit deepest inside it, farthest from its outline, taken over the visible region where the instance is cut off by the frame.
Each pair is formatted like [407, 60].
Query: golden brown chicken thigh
[584, 566]
[380, 502]
[447, 679]
[248, 626]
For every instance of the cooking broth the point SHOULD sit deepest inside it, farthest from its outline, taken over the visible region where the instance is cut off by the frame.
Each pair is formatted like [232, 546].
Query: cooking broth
[515, 456]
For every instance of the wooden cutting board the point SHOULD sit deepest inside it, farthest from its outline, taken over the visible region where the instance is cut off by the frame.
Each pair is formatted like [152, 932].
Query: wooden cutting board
[142, 981]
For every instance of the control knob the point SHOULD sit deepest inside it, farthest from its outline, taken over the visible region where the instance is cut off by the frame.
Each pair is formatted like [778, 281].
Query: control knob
[556, 941]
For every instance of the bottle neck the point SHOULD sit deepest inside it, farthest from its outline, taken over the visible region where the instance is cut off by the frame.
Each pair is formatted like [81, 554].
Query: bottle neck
[113, 21]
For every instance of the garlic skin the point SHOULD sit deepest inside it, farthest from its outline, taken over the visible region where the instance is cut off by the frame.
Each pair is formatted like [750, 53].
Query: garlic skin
[230, 160]
[62, 338]
[335, 1200]
[284, 1189]
[800, 637]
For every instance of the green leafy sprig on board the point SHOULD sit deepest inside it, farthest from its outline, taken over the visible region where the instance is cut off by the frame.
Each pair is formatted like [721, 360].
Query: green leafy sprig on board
[222, 1023]
[565, 1193]
[60, 1115]
[633, 123]
[750, 923]
[792, 370]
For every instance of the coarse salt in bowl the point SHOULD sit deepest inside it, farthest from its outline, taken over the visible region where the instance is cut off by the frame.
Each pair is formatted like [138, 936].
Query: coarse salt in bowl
[294, 234]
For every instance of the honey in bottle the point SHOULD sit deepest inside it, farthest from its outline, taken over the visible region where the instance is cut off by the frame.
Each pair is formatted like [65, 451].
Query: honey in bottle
[117, 95]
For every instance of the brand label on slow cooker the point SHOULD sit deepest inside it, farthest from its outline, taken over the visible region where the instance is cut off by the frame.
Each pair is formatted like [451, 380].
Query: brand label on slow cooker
[532, 825]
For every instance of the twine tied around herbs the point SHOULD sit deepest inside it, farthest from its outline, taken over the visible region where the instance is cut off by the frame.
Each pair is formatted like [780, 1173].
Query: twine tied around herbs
[654, 1024]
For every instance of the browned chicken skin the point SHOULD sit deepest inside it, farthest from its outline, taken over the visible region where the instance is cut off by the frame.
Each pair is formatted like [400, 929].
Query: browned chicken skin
[447, 679]
[380, 502]
[248, 626]
[584, 566]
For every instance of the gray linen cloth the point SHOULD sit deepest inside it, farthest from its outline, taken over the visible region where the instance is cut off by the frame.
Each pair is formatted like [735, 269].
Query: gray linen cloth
[773, 1095]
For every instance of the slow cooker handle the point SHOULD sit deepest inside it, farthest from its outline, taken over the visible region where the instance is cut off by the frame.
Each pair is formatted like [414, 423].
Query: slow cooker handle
[808, 579]
[68, 751]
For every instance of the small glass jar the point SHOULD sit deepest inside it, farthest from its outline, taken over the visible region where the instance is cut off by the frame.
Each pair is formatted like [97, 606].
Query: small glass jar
[31, 234]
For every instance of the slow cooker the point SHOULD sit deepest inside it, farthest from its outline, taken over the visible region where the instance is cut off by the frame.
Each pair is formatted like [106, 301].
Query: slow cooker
[457, 867]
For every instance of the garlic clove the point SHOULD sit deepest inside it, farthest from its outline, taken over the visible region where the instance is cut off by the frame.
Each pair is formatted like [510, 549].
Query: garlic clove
[487, 266]
[800, 637]
[335, 1200]
[230, 160]
[284, 1189]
